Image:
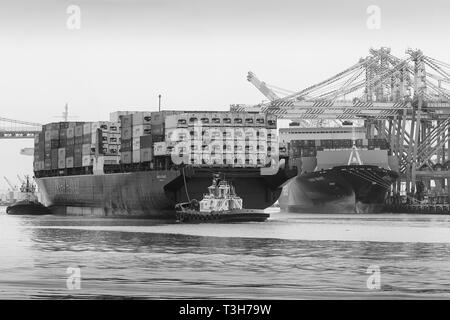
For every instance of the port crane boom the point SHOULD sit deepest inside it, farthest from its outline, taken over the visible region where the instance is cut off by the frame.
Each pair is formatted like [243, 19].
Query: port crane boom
[262, 87]
[13, 187]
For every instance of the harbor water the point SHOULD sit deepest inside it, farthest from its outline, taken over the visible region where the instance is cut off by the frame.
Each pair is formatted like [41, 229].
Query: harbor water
[291, 256]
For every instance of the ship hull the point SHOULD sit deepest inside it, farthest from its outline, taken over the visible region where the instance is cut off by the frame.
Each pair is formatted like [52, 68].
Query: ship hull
[153, 193]
[342, 189]
[27, 208]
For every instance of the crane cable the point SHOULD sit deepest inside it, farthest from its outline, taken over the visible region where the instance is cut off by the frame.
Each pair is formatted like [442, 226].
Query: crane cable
[185, 186]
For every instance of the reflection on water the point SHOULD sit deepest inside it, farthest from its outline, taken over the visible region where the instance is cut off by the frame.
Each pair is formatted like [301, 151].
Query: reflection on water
[278, 259]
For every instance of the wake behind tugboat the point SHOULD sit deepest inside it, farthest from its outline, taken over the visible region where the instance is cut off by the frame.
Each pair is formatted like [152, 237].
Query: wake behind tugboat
[221, 204]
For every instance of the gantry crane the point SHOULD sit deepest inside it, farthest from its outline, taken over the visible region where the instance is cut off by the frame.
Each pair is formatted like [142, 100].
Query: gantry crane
[13, 187]
[406, 100]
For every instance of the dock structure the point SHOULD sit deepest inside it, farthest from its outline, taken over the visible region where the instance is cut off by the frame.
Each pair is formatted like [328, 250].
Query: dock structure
[403, 100]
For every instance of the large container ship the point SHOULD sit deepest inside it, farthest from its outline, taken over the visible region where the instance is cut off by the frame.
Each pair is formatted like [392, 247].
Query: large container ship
[340, 170]
[143, 163]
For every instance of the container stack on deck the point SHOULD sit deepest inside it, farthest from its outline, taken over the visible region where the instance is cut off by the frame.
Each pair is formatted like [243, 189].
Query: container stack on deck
[219, 138]
[145, 140]
[71, 147]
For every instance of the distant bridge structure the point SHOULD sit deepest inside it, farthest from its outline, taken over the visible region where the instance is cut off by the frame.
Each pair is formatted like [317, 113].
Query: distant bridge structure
[18, 129]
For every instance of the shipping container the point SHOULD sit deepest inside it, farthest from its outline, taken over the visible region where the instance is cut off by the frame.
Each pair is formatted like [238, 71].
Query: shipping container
[87, 160]
[86, 149]
[54, 159]
[140, 130]
[228, 147]
[70, 151]
[176, 121]
[54, 144]
[142, 118]
[64, 125]
[238, 120]
[250, 134]
[62, 163]
[271, 121]
[70, 132]
[47, 164]
[239, 146]
[126, 157]
[87, 138]
[70, 141]
[216, 120]
[126, 121]
[261, 134]
[63, 134]
[63, 142]
[62, 153]
[111, 159]
[146, 155]
[146, 142]
[47, 135]
[127, 133]
[79, 131]
[157, 129]
[239, 159]
[160, 148]
[117, 115]
[136, 143]
[239, 134]
[69, 162]
[78, 160]
[47, 145]
[126, 145]
[260, 120]
[87, 128]
[78, 150]
[249, 120]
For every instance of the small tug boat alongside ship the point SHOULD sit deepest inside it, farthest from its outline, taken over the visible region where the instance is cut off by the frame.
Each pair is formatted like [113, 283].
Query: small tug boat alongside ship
[28, 203]
[221, 204]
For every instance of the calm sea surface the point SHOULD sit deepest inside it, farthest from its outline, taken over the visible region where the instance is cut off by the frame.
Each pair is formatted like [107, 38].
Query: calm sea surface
[291, 256]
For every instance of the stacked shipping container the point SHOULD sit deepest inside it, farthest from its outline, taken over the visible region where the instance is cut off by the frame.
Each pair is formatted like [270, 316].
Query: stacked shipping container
[136, 134]
[67, 145]
[224, 138]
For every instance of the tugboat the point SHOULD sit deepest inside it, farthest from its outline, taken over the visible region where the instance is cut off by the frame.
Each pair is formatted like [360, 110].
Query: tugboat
[28, 203]
[221, 204]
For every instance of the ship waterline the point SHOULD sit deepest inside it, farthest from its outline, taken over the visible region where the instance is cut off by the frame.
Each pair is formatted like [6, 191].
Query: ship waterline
[153, 193]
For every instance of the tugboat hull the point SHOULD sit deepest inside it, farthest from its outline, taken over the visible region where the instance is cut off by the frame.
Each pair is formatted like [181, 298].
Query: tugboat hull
[243, 215]
[27, 208]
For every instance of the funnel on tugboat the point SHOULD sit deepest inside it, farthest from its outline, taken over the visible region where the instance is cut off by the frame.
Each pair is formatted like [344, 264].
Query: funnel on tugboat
[221, 204]
[28, 203]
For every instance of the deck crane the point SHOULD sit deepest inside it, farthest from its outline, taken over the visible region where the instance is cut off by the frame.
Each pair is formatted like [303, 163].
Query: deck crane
[13, 187]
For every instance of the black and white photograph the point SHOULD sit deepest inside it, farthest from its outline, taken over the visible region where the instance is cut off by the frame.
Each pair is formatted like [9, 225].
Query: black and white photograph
[224, 154]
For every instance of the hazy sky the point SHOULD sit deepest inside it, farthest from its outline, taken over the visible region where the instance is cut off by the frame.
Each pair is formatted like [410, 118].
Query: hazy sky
[195, 53]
